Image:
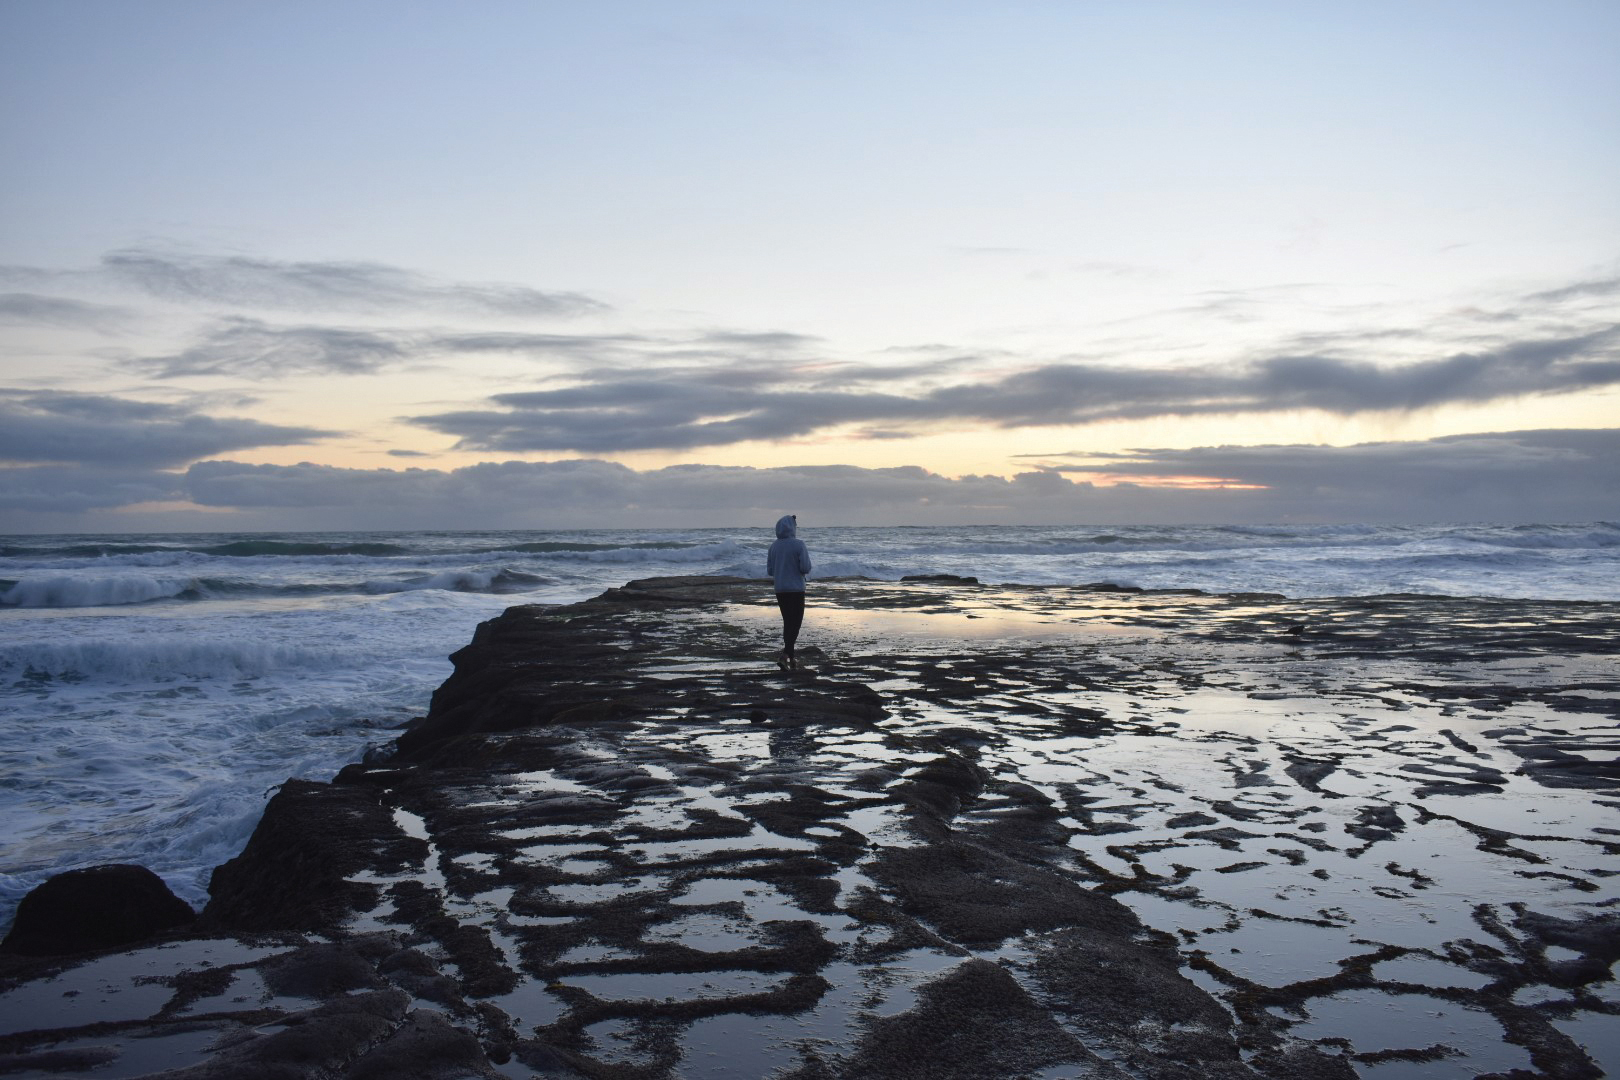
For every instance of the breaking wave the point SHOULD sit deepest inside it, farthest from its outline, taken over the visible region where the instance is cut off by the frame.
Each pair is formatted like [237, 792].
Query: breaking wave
[143, 661]
[103, 590]
[231, 549]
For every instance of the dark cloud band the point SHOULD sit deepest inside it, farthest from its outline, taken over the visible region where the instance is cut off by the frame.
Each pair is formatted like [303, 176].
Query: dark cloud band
[616, 410]
[1531, 475]
[1567, 475]
[93, 429]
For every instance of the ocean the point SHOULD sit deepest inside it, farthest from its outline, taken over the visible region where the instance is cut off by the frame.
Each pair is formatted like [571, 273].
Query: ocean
[154, 689]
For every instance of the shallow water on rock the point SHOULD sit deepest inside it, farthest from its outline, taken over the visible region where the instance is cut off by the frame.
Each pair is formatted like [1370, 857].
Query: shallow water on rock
[122, 986]
[1375, 1021]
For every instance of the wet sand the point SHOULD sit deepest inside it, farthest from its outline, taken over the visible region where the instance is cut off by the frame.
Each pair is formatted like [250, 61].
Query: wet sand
[984, 832]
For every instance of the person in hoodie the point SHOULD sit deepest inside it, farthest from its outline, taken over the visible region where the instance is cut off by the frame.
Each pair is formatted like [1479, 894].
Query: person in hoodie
[788, 563]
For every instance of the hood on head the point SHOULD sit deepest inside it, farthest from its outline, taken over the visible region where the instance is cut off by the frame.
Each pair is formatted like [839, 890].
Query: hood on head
[786, 526]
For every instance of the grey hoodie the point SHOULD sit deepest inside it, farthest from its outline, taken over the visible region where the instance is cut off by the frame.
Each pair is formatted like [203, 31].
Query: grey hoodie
[789, 559]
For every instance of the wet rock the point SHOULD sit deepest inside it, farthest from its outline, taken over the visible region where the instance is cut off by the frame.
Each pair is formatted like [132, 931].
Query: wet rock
[1228, 837]
[1132, 995]
[425, 1047]
[1309, 774]
[524, 669]
[320, 1042]
[98, 907]
[974, 1023]
[978, 897]
[478, 961]
[74, 1062]
[1014, 817]
[320, 971]
[1376, 823]
[1191, 820]
[1301, 1062]
[1596, 937]
[941, 579]
[939, 787]
[294, 872]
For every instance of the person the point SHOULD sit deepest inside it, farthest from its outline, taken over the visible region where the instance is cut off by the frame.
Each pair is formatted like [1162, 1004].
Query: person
[787, 563]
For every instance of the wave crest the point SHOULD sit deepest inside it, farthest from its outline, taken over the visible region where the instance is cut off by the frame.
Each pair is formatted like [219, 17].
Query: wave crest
[71, 592]
[480, 581]
[117, 660]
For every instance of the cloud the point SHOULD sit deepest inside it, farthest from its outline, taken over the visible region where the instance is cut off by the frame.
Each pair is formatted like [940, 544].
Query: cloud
[70, 489]
[267, 284]
[327, 286]
[617, 410]
[26, 308]
[1516, 476]
[644, 413]
[1591, 456]
[582, 490]
[94, 429]
[1601, 288]
[770, 340]
[252, 349]
[588, 349]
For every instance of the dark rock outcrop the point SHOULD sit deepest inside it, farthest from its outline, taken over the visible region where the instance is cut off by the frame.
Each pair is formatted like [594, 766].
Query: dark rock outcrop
[293, 874]
[98, 907]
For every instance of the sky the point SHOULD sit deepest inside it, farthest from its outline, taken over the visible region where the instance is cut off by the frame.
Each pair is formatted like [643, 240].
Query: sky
[354, 265]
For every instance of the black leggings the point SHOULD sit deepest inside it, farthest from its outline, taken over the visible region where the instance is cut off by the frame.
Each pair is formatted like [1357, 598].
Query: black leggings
[792, 605]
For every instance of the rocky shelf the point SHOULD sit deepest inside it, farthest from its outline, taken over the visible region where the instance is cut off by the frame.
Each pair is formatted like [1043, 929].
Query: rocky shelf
[982, 831]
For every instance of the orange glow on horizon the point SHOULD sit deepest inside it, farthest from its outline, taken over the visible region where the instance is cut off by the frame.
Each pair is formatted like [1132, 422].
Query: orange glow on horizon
[1208, 483]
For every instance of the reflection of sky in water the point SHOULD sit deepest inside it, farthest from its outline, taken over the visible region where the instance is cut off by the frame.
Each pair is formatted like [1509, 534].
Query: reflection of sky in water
[706, 931]
[105, 990]
[1220, 747]
[1599, 1034]
[972, 622]
[616, 1041]
[596, 894]
[530, 1005]
[1428, 971]
[594, 953]
[678, 850]
[1373, 1020]
[1385, 906]
[738, 1047]
[761, 901]
[1274, 952]
[143, 1056]
[541, 781]
[685, 985]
